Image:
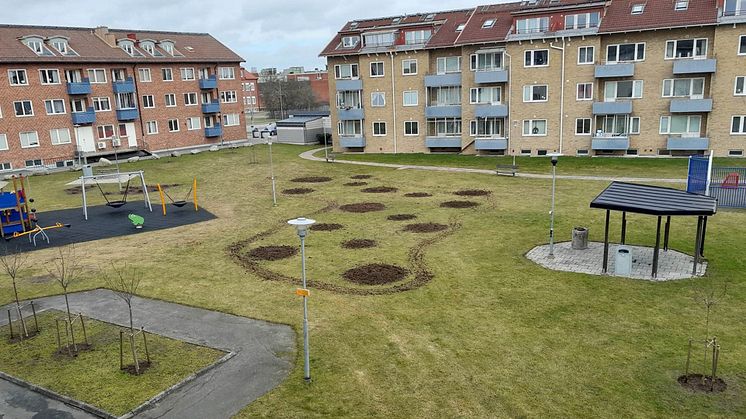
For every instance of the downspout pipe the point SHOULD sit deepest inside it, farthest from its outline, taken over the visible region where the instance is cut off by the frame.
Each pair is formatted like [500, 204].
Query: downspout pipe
[562, 94]
[510, 96]
[393, 97]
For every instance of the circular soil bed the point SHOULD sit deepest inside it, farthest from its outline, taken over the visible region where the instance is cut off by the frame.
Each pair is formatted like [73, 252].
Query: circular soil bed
[695, 382]
[417, 195]
[273, 252]
[359, 244]
[326, 227]
[379, 189]
[311, 179]
[425, 227]
[472, 192]
[375, 274]
[459, 204]
[297, 191]
[401, 217]
[363, 207]
[361, 177]
[355, 183]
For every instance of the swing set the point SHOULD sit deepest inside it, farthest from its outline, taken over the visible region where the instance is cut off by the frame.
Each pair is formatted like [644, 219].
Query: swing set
[181, 202]
[112, 178]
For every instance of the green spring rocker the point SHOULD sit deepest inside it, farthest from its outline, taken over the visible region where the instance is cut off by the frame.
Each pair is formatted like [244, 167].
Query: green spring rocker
[136, 220]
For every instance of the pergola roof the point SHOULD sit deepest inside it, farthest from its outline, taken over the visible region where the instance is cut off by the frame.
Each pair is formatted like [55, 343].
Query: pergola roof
[653, 200]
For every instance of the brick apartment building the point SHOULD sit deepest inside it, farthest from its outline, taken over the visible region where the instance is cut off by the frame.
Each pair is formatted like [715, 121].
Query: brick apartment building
[319, 82]
[69, 92]
[252, 100]
[578, 77]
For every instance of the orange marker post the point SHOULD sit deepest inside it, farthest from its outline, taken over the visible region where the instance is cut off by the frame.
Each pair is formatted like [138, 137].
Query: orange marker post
[163, 199]
[303, 292]
[194, 193]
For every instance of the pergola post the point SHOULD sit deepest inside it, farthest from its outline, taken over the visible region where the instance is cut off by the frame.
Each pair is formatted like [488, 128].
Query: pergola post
[656, 249]
[702, 242]
[697, 245]
[665, 236]
[624, 227]
[606, 243]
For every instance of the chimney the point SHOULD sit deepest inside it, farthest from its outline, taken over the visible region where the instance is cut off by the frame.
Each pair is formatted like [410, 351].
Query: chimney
[103, 33]
[132, 36]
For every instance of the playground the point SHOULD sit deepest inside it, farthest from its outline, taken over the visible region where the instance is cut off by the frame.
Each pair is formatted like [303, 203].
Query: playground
[423, 302]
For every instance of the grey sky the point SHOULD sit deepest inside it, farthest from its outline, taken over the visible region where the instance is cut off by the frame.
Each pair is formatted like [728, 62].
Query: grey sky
[267, 33]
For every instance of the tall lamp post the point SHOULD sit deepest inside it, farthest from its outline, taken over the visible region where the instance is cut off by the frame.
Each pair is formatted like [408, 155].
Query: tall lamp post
[326, 148]
[272, 174]
[301, 225]
[551, 212]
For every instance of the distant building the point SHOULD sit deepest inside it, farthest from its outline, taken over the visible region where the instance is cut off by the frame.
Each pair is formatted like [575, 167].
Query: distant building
[319, 81]
[251, 99]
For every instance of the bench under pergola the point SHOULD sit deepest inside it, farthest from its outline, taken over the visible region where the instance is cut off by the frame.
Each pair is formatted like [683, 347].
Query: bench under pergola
[657, 201]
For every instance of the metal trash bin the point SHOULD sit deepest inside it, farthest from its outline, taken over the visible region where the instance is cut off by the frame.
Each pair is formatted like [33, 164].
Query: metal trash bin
[623, 261]
[580, 238]
[87, 170]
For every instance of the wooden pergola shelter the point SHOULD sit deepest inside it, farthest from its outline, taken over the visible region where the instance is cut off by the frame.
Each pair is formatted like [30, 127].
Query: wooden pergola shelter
[657, 201]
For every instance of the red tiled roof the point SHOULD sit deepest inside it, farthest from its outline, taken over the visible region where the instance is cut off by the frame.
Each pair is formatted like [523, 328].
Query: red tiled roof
[657, 14]
[474, 33]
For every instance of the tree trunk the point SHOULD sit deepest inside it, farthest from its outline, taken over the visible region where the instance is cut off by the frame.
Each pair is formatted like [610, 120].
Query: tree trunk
[24, 333]
[70, 320]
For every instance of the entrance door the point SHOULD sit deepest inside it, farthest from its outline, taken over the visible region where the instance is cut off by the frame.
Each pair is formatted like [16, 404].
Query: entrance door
[85, 139]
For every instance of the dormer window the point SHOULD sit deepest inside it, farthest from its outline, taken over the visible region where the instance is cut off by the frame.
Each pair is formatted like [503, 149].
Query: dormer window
[396, 21]
[379, 39]
[353, 25]
[488, 23]
[168, 46]
[36, 44]
[532, 25]
[417, 37]
[637, 9]
[681, 5]
[61, 45]
[128, 46]
[460, 27]
[149, 47]
[350, 41]
[429, 17]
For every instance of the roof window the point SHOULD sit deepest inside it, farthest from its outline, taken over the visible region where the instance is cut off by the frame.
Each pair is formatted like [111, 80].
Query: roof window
[460, 27]
[681, 5]
[488, 23]
[637, 9]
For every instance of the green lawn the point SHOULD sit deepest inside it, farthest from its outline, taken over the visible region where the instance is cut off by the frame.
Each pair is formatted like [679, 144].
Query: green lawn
[94, 376]
[492, 334]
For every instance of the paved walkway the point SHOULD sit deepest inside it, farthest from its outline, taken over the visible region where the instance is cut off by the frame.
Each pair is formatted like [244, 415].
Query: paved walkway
[309, 155]
[672, 265]
[18, 402]
[264, 353]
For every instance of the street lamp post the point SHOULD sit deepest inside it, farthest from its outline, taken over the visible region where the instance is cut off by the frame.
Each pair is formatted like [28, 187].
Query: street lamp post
[301, 225]
[326, 148]
[551, 212]
[272, 174]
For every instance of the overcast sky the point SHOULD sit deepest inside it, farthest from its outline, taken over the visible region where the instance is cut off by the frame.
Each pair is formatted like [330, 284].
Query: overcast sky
[266, 33]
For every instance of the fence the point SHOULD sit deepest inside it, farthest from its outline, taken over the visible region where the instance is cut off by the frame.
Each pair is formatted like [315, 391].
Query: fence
[697, 178]
[726, 184]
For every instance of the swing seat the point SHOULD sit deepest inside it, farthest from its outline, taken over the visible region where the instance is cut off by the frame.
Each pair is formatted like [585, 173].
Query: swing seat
[116, 204]
[179, 204]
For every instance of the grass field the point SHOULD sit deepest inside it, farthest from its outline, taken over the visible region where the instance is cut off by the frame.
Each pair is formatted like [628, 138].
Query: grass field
[490, 335]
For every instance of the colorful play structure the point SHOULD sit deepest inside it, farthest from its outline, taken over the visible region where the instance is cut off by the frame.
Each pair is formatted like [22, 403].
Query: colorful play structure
[727, 184]
[109, 179]
[181, 202]
[15, 215]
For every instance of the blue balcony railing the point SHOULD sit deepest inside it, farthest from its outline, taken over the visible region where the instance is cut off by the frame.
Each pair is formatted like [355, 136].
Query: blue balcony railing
[81, 88]
[84, 118]
[126, 86]
[212, 107]
[127, 114]
[352, 142]
[210, 82]
[214, 131]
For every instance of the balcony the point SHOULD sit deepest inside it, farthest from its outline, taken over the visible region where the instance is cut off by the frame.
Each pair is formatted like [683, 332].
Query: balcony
[491, 144]
[694, 66]
[491, 111]
[84, 118]
[691, 105]
[608, 142]
[349, 85]
[81, 88]
[127, 114]
[688, 143]
[450, 111]
[212, 107]
[209, 83]
[496, 76]
[615, 70]
[215, 131]
[126, 86]
[623, 107]
[352, 114]
[443, 142]
[352, 142]
[443, 80]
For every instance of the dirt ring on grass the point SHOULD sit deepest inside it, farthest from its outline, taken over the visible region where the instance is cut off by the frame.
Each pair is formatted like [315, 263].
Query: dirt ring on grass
[273, 252]
[459, 204]
[363, 207]
[425, 227]
[361, 177]
[311, 179]
[355, 184]
[417, 195]
[359, 244]
[375, 274]
[401, 217]
[696, 382]
[297, 191]
[472, 192]
[326, 227]
[379, 189]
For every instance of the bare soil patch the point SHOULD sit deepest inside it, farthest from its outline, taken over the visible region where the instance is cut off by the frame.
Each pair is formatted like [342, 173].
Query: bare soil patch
[130, 369]
[417, 195]
[379, 189]
[696, 382]
[401, 217]
[359, 244]
[64, 352]
[425, 227]
[459, 204]
[355, 184]
[17, 328]
[472, 192]
[273, 252]
[326, 227]
[311, 179]
[361, 177]
[297, 191]
[375, 274]
[363, 207]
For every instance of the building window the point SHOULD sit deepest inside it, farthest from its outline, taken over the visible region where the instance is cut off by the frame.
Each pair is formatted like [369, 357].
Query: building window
[105, 132]
[118, 75]
[637, 9]
[485, 95]
[193, 123]
[187, 73]
[231, 119]
[629, 89]
[167, 74]
[536, 58]
[740, 89]
[532, 25]
[376, 69]
[29, 139]
[378, 99]
[4, 142]
[350, 128]
[101, 104]
[34, 163]
[444, 96]
[582, 152]
[346, 72]
[693, 88]
[23, 108]
[535, 93]
[54, 106]
[488, 23]
[583, 126]
[227, 73]
[144, 74]
[686, 48]
[379, 39]
[348, 99]
[151, 127]
[410, 98]
[534, 127]
[17, 77]
[492, 61]
[449, 65]
[227, 96]
[379, 129]
[444, 127]
[681, 5]
[582, 20]
[148, 101]
[586, 55]
[350, 41]
[735, 153]
[742, 45]
[60, 136]
[409, 67]
[97, 75]
[411, 128]
[487, 128]
[585, 91]
[190, 99]
[173, 125]
[680, 124]
[126, 101]
[170, 100]
[51, 76]
[625, 52]
[37, 46]
[417, 37]
[634, 125]
[77, 105]
[738, 124]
